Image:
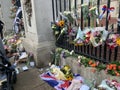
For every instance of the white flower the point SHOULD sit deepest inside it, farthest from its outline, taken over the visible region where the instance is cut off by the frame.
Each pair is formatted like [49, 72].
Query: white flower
[71, 52]
[50, 64]
[79, 57]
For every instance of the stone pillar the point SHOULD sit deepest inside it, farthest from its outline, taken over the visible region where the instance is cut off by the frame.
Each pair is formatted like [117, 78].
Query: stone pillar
[39, 38]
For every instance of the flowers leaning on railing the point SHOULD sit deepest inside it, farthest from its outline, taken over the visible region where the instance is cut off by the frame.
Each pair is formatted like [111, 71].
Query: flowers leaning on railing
[86, 35]
[112, 40]
[98, 35]
[57, 26]
[64, 31]
[85, 11]
[93, 14]
[79, 38]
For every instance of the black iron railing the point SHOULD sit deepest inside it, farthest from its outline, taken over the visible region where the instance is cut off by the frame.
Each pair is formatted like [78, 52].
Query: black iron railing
[102, 52]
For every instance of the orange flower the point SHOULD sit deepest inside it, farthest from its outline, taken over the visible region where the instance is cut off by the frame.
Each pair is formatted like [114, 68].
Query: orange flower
[114, 66]
[117, 74]
[93, 65]
[90, 62]
[119, 67]
[109, 67]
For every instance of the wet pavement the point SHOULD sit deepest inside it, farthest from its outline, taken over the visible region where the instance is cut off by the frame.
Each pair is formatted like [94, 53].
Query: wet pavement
[30, 80]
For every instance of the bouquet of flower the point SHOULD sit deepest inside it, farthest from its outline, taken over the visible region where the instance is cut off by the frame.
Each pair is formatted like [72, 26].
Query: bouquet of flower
[98, 35]
[113, 69]
[57, 27]
[111, 40]
[86, 35]
[85, 11]
[118, 41]
[67, 72]
[114, 84]
[79, 37]
[68, 15]
[93, 13]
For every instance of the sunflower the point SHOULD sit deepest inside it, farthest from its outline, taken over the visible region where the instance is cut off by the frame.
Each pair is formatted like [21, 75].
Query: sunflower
[61, 23]
[118, 41]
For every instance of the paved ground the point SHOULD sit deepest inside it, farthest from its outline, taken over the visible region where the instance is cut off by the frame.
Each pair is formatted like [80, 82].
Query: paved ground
[30, 80]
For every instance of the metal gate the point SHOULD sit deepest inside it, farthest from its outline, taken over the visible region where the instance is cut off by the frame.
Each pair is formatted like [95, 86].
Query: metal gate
[102, 52]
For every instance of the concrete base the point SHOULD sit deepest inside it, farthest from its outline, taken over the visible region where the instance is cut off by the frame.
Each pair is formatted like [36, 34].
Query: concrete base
[86, 72]
[41, 51]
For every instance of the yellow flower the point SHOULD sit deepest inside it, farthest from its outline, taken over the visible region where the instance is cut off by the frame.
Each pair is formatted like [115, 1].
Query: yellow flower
[118, 41]
[66, 67]
[80, 44]
[61, 23]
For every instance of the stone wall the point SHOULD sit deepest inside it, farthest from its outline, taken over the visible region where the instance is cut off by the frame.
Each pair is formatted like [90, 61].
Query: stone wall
[86, 72]
[5, 14]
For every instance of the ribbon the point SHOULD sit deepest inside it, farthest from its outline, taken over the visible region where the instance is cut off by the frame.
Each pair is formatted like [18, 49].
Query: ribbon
[111, 9]
[105, 9]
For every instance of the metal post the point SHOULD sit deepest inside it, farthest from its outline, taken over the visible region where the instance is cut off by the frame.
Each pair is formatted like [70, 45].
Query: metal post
[81, 16]
[70, 5]
[56, 9]
[118, 27]
[98, 5]
[53, 10]
[118, 31]
[89, 16]
[107, 23]
[60, 8]
[64, 5]
[75, 3]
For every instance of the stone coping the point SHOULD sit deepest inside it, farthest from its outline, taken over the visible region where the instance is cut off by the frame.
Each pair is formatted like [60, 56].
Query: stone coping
[87, 72]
